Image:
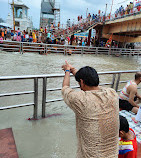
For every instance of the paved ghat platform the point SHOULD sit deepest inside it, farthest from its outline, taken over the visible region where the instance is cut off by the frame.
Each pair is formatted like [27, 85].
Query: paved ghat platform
[8, 147]
[7, 144]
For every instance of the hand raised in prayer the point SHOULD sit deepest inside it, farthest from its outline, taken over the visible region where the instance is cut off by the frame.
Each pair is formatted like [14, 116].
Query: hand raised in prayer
[67, 66]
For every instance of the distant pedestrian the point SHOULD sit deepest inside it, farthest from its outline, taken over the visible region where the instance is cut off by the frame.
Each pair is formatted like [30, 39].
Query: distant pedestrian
[34, 36]
[1, 39]
[5, 34]
[78, 17]
[93, 17]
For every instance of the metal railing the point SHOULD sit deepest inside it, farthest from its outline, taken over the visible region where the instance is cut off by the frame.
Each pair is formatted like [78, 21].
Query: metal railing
[115, 82]
[35, 92]
[43, 48]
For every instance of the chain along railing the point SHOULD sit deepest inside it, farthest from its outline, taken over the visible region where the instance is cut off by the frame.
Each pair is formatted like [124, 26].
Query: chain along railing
[41, 48]
[114, 76]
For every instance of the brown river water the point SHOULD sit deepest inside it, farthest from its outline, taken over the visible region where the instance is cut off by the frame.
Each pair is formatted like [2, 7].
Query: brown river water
[53, 137]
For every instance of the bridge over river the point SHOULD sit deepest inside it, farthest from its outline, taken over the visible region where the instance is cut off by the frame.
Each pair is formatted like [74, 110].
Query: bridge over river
[126, 28]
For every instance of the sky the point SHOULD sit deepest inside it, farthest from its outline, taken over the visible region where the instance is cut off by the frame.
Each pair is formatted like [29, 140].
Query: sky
[70, 9]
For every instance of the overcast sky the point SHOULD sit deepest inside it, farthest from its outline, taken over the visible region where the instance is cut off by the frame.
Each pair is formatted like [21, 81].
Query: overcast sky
[70, 9]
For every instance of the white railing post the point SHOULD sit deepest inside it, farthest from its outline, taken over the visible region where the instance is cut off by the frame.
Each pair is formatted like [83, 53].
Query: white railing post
[120, 52]
[96, 50]
[109, 52]
[65, 50]
[44, 49]
[82, 51]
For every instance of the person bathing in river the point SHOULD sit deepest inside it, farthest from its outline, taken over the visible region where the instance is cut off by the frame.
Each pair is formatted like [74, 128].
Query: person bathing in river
[129, 97]
[97, 113]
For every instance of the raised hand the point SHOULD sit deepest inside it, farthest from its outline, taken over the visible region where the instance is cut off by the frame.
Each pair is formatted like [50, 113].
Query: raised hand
[67, 66]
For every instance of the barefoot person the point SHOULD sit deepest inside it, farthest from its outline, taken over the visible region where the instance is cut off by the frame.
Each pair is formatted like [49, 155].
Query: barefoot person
[129, 97]
[97, 113]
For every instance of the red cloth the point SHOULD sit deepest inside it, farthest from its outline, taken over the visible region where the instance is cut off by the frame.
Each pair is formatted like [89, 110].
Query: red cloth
[45, 30]
[139, 8]
[128, 149]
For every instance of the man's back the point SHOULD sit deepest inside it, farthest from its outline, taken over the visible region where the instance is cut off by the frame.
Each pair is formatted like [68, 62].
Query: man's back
[97, 121]
[130, 86]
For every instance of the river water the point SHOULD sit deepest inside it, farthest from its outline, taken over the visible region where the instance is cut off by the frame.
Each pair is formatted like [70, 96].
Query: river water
[53, 137]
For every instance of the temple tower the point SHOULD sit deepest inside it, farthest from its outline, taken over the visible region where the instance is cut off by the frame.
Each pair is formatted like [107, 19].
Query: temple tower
[50, 13]
[22, 20]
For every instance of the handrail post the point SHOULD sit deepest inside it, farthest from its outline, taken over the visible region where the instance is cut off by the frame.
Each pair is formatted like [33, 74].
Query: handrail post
[44, 96]
[96, 50]
[46, 49]
[64, 50]
[138, 54]
[35, 98]
[82, 50]
[113, 82]
[118, 80]
[109, 52]
[120, 52]
[22, 48]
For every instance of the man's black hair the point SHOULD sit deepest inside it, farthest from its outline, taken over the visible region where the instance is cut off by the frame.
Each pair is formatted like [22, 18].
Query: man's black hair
[88, 75]
[137, 75]
[124, 125]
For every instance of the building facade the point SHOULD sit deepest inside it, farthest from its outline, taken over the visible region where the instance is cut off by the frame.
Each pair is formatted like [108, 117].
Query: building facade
[22, 20]
[50, 13]
[47, 13]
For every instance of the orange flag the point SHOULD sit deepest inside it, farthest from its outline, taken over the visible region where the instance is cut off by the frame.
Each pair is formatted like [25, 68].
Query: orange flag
[109, 42]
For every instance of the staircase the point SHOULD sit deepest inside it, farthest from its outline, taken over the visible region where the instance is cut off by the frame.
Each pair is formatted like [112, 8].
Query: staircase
[83, 26]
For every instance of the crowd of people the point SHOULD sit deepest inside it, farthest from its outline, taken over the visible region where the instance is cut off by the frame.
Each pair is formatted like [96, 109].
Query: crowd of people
[25, 36]
[42, 36]
[96, 108]
[129, 9]
[60, 35]
[101, 131]
[83, 24]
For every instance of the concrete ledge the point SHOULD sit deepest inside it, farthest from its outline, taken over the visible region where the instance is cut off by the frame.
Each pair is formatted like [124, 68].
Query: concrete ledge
[7, 144]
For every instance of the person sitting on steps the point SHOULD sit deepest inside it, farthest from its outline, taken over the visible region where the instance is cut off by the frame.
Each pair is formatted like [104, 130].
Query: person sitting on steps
[129, 97]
